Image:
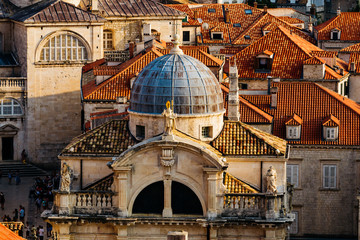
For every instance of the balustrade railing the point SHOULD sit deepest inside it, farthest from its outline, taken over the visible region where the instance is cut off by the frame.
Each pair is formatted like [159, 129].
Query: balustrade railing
[90, 200]
[253, 205]
[12, 82]
[13, 226]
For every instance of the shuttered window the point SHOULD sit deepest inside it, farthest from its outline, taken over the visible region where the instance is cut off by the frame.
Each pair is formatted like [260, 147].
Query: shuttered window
[292, 174]
[329, 176]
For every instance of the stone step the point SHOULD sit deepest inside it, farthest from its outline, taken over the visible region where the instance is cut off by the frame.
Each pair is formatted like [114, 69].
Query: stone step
[25, 170]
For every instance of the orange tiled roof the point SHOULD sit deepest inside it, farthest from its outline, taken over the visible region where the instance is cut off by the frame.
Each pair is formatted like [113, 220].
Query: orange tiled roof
[7, 234]
[237, 138]
[110, 138]
[103, 184]
[331, 121]
[291, 20]
[314, 61]
[231, 50]
[90, 66]
[352, 48]
[313, 103]
[119, 84]
[248, 112]
[347, 22]
[294, 120]
[235, 185]
[290, 52]
[324, 54]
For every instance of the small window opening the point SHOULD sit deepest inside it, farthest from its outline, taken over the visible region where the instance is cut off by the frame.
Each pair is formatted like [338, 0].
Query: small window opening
[140, 131]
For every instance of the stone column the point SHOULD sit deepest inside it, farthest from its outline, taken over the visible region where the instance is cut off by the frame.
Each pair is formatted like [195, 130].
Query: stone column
[122, 178]
[212, 192]
[167, 212]
[122, 232]
[64, 231]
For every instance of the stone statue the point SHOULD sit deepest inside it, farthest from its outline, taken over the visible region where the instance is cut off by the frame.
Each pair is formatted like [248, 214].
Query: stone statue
[271, 181]
[169, 119]
[65, 177]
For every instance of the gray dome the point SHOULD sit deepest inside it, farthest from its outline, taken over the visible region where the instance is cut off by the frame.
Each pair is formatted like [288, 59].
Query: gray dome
[184, 79]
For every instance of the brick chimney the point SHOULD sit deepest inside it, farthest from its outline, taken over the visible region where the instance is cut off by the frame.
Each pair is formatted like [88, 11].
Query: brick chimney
[338, 11]
[265, 8]
[195, 14]
[273, 92]
[352, 67]
[131, 49]
[255, 4]
[233, 101]
[227, 15]
[94, 5]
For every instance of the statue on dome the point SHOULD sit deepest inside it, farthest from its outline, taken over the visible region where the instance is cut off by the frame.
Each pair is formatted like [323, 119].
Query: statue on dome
[170, 116]
[271, 181]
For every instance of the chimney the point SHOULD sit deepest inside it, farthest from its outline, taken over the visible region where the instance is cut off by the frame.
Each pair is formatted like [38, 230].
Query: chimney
[255, 4]
[227, 15]
[352, 67]
[338, 11]
[312, 10]
[195, 14]
[310, 27]
[131, 49]
[233, 100]
[269, 84]
[342, 71]
[94, 5]
[273, 92]
[265, 8]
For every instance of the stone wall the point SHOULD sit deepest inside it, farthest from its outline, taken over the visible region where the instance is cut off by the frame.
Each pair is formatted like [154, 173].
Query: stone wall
[335, 45]
[330, 212]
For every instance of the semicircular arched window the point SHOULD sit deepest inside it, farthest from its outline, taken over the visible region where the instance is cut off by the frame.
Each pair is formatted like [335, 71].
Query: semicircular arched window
[64, 47]
[10, 107]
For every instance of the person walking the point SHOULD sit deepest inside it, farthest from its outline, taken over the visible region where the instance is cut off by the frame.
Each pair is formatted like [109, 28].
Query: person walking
[16, 215]
[41, 233]
[10, 177]
[22, 213]
[2, 200]
[17, 178]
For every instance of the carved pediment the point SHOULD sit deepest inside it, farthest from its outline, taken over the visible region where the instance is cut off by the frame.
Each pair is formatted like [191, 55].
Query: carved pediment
[8, 130]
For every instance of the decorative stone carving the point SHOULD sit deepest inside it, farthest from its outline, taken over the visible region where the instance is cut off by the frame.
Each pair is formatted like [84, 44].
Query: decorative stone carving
[170, 116]
[271, 181]
[167, 159]
[66, 174]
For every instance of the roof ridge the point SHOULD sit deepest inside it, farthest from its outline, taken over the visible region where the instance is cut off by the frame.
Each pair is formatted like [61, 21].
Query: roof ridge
[326, 24]
[344, 100]
[256, 109]
[213, 58]
[255, 23]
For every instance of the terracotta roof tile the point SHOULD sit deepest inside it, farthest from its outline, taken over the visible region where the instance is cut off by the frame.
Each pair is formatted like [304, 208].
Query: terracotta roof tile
[110, 138]
[290, 52]
[103, 184]
[294, 120]
[352, 48]
[90, 66]
[313, 103]
[291, 20]
[235, 185]
[231, 50]
[237, 138]
[132, 8]
[324, 54]
[314, 61]
[347, 22]
[54, 11]
[331, 121]
[7, 234]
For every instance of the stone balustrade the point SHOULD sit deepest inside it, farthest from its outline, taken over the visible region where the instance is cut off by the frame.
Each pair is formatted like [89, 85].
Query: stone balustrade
[258, 205]
[12, 83]
[13, 226]
[84, 202]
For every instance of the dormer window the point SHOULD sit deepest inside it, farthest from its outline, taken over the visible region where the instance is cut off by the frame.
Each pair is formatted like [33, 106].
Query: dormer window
[293, 127]
[264, 61]
[217, 35]
[330, 128]
[335, 34]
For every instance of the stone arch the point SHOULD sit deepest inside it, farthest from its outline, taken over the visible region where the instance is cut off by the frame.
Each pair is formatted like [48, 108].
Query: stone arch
[49, 36]
[180, 178]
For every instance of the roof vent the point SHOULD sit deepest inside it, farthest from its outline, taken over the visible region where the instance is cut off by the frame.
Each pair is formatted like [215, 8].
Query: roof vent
[121, 100]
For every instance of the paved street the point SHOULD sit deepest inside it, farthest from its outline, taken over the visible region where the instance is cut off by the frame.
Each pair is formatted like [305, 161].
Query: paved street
[16, 195]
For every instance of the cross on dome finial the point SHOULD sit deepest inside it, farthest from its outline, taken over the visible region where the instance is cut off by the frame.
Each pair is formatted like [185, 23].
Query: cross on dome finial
[176, 49]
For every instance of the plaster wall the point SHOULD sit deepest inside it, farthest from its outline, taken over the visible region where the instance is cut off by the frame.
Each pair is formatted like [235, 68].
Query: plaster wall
[354, 88]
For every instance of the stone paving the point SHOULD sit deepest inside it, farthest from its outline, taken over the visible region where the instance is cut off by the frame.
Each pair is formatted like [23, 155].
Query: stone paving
[16, 195]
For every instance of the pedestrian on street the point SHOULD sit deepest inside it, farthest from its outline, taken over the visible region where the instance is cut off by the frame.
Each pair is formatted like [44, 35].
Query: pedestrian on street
[10, 176]
[22, 213]
[16, 215]
[41, 233]
[2, 200]
[17, 178]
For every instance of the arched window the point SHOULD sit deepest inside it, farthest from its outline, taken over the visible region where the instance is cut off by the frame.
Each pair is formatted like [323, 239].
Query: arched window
[108, 40]
[64, 47]
[10, 107]
[150, 200]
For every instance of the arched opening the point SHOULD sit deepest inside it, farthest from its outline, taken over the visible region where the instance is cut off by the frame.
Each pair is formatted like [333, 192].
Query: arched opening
[184, 200]
[150, 199]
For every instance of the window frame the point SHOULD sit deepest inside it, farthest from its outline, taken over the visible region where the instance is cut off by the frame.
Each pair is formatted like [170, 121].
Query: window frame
[297, 135]
[188, 32]
[338, 34]
[43, 44]
[335, 133]
[140, 132]
[217, 33]
[12, 106]
[210, 132]
[106, 40]
[297, 176]
[329, 186]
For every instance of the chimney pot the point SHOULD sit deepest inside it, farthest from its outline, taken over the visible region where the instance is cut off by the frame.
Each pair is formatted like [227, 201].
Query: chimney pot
[255, 4]
[233, 101]
[273, 92]
[265, 8]
[352, 67]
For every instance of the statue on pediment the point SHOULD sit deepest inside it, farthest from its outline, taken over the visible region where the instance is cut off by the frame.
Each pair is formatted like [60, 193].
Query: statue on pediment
[271, 181]
[170, 116]
[66, 173]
